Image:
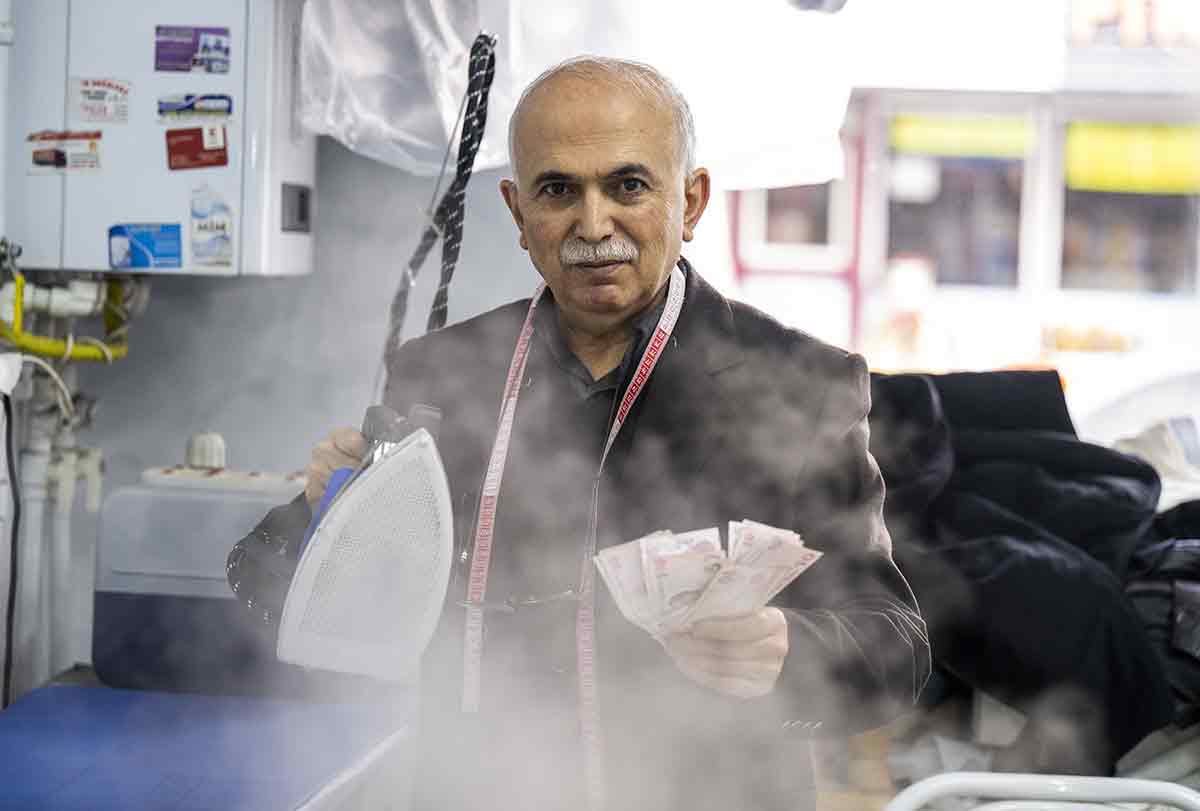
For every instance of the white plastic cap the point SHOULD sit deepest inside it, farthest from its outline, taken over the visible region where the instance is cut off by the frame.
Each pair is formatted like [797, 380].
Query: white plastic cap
[206, 450]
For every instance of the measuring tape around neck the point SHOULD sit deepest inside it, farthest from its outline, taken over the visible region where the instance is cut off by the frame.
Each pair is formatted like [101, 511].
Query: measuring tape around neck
[486, 524]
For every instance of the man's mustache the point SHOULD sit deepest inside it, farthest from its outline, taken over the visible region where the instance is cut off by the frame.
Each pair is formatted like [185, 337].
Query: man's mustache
[579, 252]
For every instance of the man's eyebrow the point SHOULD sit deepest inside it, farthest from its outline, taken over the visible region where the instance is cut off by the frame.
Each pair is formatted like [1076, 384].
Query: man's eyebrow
[625, 170]
[631, 170]
[552, 177]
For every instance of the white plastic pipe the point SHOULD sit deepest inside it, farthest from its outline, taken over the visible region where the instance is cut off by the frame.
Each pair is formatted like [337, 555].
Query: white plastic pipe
[89, 464]
[77, 299]
[31, 666]
[61, 596]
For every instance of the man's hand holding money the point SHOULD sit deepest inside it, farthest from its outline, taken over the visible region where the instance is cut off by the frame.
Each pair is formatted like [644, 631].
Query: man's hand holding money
[740, 657]
[707, 607]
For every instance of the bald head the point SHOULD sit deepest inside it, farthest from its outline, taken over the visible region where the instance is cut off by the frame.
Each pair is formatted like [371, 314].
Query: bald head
[607, 75]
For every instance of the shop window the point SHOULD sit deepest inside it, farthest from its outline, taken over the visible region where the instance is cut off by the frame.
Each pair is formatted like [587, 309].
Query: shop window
[954, 203]
[795, 229]
[798, 215]
[1130, 219]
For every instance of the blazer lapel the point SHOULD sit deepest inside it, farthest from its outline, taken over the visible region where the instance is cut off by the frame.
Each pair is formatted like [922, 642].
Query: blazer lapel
[687, 400]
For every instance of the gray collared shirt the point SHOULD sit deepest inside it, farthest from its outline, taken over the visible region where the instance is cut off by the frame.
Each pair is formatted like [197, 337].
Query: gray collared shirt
[580, 379]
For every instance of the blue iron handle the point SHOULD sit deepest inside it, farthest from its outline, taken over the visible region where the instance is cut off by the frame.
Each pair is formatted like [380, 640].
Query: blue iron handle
[337, 480]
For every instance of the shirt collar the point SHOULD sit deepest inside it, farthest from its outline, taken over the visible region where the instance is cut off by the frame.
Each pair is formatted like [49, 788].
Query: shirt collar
[547, 327]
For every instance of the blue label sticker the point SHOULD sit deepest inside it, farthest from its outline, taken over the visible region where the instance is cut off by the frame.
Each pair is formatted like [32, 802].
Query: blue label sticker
[145, 245]
[188, 105]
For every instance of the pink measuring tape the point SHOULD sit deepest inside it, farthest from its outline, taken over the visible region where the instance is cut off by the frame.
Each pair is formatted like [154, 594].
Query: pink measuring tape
[585, 617]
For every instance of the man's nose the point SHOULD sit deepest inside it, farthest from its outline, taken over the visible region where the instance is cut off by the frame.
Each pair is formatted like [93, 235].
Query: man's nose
[595, 220]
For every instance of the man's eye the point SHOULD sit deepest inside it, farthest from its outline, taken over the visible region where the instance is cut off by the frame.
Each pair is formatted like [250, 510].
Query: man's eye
[555, 189]
[633, 185]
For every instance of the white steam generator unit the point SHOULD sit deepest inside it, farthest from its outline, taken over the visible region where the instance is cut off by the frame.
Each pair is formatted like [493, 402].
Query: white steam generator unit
[159, 138]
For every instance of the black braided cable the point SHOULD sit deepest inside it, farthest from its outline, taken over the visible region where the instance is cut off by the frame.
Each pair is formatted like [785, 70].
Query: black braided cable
[482, 70]
[447, 219]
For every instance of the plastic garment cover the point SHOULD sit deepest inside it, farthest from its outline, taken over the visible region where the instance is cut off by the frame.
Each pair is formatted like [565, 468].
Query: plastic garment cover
[1172, 448]
[768, 89]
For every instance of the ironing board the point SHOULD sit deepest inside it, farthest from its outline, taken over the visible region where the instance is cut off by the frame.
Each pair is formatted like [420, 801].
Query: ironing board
[71, 748]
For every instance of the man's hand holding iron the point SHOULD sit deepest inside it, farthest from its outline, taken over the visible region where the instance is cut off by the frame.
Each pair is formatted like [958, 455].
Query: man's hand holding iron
[344, 447]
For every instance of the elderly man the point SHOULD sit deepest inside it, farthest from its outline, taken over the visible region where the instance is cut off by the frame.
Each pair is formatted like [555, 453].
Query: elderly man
[566, 703]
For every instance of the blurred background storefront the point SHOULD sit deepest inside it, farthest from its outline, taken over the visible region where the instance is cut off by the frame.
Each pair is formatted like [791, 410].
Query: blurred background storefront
[1034, 205]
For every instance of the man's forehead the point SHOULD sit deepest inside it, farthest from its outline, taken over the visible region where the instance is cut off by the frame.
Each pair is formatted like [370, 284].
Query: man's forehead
[597, 123]
[600, 154]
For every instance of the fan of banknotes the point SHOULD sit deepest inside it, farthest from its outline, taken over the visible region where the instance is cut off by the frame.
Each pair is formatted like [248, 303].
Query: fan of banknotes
[665, 581]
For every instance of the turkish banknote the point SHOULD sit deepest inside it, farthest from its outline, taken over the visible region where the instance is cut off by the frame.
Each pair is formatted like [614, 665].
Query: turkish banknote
[664, 582]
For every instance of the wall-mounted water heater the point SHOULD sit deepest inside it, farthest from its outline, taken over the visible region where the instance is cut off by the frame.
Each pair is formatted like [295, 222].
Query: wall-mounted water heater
[159, 138]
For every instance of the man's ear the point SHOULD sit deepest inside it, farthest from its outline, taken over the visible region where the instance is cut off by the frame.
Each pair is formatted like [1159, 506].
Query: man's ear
[695, 194]
[508, 190]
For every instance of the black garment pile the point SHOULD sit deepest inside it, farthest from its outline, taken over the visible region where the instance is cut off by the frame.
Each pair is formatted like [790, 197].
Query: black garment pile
[1045, 575]
[1165, 589]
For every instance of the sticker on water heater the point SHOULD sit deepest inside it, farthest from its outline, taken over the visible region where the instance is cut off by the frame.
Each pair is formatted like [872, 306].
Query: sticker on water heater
[212, 228]
[100, 100]
[197, 147]
[56, 152]
[192, 107]
[186, 48]
[145, 245]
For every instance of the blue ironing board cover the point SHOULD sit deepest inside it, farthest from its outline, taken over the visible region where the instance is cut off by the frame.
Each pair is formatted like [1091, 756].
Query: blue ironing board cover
[67, 748]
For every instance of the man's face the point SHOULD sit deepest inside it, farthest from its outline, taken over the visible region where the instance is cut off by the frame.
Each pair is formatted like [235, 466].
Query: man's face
[600, 198]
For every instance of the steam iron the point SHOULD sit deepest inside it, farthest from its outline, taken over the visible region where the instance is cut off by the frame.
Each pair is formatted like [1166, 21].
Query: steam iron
[375, 565]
